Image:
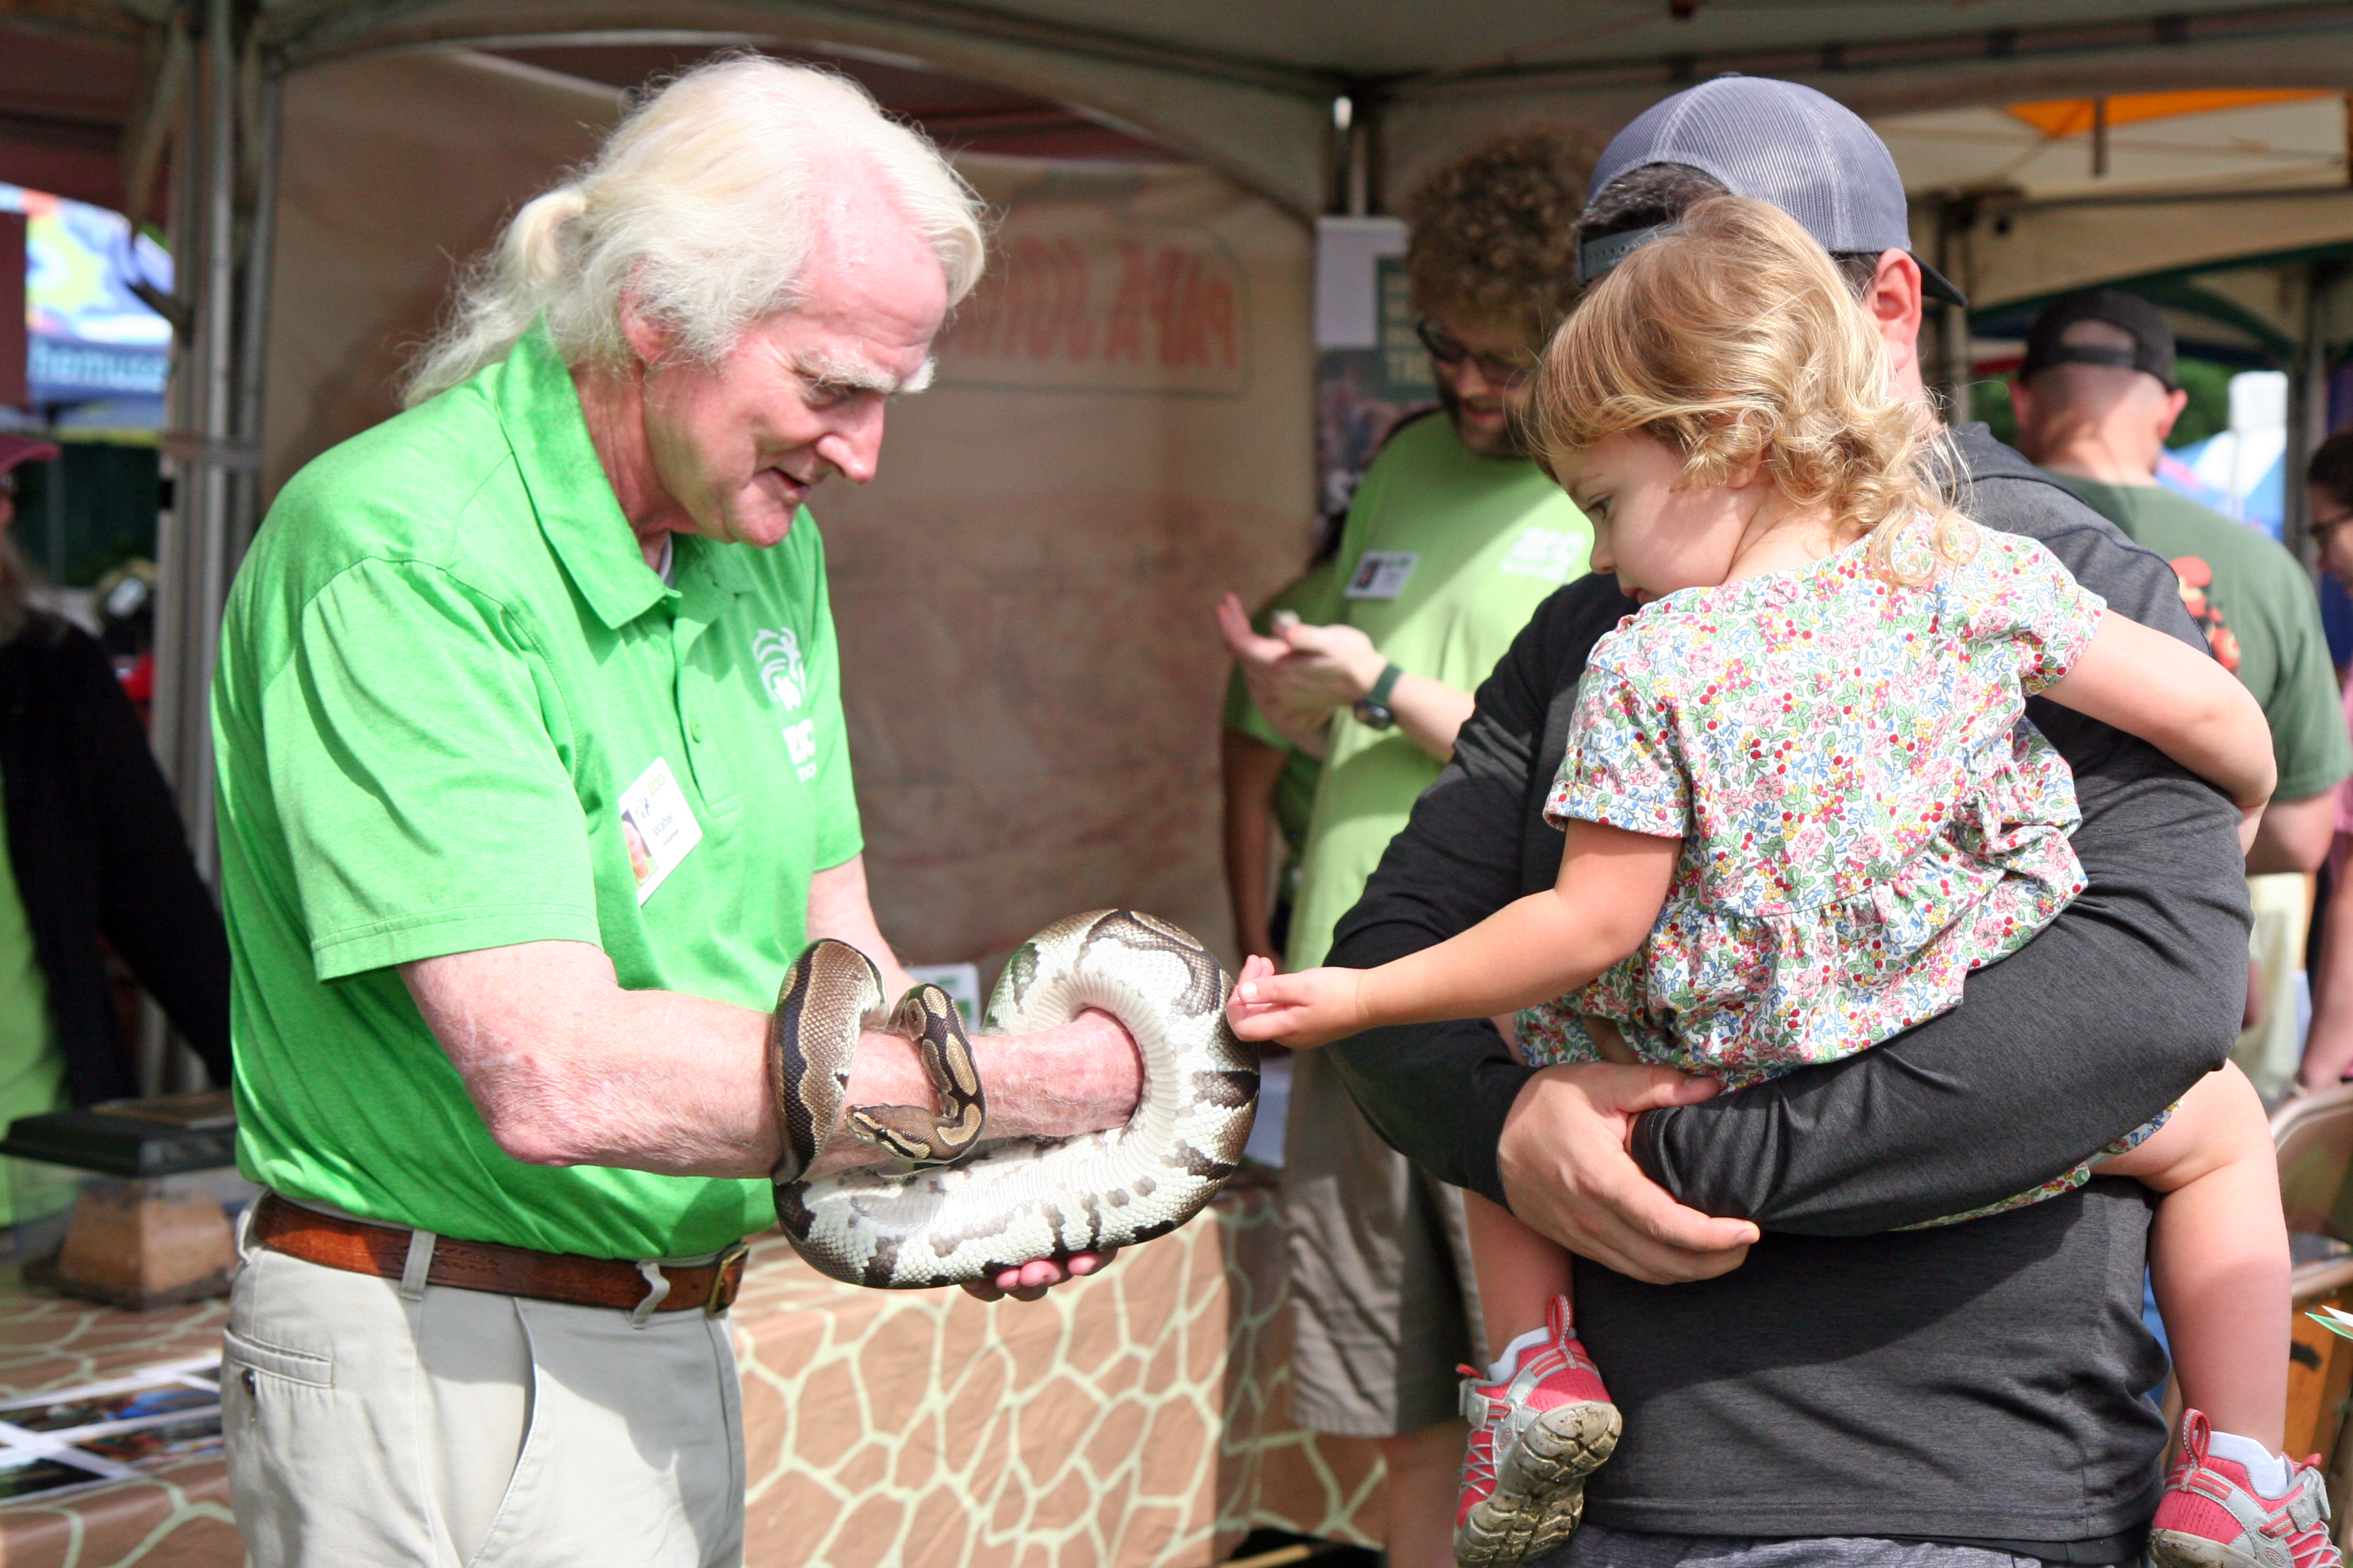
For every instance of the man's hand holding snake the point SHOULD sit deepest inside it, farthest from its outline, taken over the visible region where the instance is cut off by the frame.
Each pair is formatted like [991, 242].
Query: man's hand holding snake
[1081, 1077]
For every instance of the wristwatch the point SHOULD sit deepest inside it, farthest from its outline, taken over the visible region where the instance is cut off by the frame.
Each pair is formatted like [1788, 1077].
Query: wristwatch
[1373, 711]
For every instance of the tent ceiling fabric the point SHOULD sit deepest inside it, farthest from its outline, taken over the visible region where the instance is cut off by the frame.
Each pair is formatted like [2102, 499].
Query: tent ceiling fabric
[1246, 85]
[2299, 143]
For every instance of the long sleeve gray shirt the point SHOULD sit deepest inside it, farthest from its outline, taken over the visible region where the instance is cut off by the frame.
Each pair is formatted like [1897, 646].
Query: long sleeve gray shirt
[1977, 1382]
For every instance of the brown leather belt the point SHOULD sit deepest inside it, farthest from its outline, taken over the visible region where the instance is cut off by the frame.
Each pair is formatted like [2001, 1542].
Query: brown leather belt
[359, 1247]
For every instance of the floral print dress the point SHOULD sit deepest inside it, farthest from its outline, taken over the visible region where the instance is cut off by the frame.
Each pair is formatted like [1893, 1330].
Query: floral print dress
[1866, 813]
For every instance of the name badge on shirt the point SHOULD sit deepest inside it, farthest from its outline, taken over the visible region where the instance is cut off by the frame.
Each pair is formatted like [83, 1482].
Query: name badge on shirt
[1381, 573]
[658, 826]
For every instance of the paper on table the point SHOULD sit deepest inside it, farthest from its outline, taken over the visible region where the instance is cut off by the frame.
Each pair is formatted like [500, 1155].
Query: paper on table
[2336, 1322]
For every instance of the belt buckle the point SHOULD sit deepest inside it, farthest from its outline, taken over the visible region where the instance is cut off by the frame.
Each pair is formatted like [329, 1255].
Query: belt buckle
[720, 1298]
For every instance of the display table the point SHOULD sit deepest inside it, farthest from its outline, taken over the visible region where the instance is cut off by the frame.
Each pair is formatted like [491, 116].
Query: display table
[178, 1515]
[1140, 1418]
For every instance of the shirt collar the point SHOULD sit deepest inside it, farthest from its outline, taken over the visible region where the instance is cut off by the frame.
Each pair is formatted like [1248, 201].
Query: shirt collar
[540, 409]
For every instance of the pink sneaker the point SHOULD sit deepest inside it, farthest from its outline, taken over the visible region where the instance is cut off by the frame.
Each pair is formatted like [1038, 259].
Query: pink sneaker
[2211, 1517]
[1535, 1437]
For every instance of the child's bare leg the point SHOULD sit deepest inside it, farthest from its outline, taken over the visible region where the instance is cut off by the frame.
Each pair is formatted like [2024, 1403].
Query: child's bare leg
[2218, 1255]
[1520, 1272]
[1541, 1419]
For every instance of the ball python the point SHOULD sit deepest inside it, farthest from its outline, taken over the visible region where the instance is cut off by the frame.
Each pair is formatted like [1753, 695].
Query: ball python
[960, 1207]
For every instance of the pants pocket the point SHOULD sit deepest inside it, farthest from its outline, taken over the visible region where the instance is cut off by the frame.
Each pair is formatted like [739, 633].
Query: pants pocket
[251, 1355]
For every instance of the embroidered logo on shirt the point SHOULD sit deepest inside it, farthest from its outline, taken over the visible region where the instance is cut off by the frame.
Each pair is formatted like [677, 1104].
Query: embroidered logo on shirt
[781, 670]
[1546, 555]
[800, 742]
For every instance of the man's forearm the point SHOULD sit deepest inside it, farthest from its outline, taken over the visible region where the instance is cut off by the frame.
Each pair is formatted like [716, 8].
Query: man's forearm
[566, 1070]
[1250, 770]
[1084, 1076]
[2328, 1047]
[1430, 713]
[2294, 835]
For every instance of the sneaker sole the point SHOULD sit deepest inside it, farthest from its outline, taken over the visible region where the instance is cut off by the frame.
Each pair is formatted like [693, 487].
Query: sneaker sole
[1539, 1496]
[2180, 1549]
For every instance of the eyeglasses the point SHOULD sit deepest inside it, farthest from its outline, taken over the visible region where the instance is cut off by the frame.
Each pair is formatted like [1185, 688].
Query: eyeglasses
[1449, 354]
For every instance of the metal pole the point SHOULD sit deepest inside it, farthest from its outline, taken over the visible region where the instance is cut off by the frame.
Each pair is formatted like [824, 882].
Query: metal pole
[2307, 410]
[173, 559]
[1955, 220]
[1360, 145]
[194, 568]
[193, 556]
[253, 309]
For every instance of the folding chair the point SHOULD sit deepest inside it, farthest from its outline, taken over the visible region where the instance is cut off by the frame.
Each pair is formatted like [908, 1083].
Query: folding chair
[2314, 1137]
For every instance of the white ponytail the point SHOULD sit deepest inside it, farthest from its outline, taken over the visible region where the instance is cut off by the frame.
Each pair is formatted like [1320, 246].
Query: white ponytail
[702, 203]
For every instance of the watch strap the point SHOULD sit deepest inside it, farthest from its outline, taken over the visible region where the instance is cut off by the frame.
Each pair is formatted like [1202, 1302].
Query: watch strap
[1378, 697]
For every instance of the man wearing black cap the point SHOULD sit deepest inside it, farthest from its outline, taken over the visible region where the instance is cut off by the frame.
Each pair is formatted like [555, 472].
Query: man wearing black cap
[2095, 399]
[1806, 1384]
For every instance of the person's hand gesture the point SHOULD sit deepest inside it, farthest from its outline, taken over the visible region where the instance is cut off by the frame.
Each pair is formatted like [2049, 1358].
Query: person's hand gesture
[1313, 1007]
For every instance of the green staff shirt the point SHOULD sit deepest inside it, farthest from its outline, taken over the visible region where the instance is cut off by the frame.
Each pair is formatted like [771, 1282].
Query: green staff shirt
[447, 675]
[32, 1065]
[2260, 614]
[1445, 556]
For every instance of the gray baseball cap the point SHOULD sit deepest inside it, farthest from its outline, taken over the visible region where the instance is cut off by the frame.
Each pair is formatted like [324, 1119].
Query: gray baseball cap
[1807, 153]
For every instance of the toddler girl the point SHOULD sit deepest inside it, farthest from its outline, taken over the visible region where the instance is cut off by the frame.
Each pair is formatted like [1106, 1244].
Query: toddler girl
[1802, 803]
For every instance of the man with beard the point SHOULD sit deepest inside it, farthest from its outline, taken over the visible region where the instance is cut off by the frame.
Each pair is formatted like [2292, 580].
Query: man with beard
[1452, 540]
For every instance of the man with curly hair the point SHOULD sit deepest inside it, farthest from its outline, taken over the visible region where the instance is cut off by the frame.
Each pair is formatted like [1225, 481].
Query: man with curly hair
[1452, 540]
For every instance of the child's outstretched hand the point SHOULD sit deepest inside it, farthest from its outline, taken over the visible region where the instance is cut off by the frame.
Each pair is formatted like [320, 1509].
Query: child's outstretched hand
[1313, 1007]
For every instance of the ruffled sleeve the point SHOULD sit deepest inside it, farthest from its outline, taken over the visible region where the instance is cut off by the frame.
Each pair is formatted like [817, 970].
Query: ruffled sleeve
[2021, 594]
[1622, 769]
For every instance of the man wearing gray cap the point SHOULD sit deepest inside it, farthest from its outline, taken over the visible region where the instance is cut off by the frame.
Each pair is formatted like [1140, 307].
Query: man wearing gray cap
[1806, 1382]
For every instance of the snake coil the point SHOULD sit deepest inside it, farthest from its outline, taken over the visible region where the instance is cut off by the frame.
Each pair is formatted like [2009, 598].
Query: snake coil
[960, 1215]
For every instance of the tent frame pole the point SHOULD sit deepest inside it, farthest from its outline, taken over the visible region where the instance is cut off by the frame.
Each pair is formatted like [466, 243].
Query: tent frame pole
[2307, 410]
[212, 448]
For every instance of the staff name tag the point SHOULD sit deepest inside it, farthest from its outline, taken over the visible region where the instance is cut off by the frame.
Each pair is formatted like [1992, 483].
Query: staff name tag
[1381, 573]
[658, 826]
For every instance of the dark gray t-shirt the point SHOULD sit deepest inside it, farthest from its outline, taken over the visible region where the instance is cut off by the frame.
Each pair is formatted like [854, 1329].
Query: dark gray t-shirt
[1976, 1382]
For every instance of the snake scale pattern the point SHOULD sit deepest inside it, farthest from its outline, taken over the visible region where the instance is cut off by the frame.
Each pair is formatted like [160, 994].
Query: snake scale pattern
[960, 1206]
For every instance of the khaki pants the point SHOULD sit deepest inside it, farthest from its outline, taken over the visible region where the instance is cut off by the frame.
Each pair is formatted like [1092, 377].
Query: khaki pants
[1383, 1302]
[457, 1428]
[2270, 1053]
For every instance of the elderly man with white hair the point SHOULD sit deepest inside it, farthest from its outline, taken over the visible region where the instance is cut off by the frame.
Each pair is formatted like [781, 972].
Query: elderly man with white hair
[532, 781]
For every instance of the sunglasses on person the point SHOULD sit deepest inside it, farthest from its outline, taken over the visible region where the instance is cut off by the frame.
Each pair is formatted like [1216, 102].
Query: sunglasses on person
[1449, 354]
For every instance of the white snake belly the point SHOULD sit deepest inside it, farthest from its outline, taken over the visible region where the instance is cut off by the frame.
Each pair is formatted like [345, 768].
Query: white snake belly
[1017, 1200]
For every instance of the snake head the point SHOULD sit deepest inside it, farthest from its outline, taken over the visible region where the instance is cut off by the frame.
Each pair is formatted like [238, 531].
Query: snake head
[924, 1139]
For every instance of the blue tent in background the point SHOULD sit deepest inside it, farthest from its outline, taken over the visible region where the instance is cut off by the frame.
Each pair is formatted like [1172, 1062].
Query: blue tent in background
[97, 357]
[2262, 504]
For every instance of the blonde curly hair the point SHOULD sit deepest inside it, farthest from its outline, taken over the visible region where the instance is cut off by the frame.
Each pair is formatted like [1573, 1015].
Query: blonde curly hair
[1732, 338]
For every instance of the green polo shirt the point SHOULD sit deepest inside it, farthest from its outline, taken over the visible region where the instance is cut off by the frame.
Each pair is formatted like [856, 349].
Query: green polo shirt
[1445, 556]
[445, 671]
[2260, 616]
